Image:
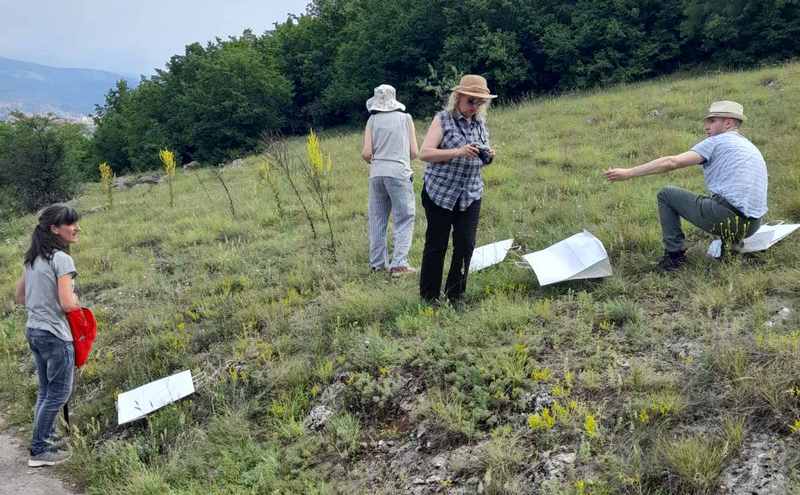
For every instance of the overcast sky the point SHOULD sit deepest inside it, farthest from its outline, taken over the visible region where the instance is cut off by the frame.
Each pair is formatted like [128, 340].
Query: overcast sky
[126, 36]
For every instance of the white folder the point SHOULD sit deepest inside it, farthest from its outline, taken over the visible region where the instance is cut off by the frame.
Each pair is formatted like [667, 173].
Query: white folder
[764, 238]
[141, 401]
[577, 257]
[490, 254]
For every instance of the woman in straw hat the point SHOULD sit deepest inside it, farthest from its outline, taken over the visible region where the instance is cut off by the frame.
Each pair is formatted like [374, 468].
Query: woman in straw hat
[390, 143]
[456, 148]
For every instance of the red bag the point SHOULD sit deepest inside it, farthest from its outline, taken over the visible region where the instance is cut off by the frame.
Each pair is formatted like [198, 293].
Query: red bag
[84, 330]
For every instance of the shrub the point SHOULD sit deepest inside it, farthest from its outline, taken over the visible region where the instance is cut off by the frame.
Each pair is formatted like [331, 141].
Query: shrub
[33, 161]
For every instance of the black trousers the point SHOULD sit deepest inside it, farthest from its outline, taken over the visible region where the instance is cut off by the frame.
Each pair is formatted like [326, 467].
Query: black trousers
[464, 225]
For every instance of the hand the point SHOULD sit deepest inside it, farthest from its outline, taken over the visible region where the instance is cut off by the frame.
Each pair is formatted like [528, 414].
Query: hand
[617, 174]
[492, 152]
[468, 150]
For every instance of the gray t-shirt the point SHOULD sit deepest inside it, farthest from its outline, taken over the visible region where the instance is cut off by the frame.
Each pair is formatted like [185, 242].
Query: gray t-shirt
[391, 155]
[41, 294]
[735, 169]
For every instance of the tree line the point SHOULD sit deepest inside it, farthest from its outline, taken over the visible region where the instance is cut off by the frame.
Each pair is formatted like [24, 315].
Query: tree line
[213, 102]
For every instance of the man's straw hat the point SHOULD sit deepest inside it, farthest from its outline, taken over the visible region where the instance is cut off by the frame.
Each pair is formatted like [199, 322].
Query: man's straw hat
[726, 109]
[473, 85]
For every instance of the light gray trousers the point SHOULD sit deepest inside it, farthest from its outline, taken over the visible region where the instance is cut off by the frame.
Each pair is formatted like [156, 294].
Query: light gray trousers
[396, 196]
[711, 214]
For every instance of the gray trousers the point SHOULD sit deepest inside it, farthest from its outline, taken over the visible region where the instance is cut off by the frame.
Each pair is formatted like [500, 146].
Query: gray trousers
[395, 196]
[711, 214]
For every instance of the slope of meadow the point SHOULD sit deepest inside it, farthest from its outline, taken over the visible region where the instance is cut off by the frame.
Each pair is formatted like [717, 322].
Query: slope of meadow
[639, 383]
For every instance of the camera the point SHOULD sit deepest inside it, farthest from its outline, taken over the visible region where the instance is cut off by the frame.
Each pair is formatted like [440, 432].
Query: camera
[484, 154]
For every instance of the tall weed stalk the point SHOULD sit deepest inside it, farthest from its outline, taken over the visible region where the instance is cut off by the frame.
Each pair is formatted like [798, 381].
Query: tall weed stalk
[265, 176]
[318, 175]
[218, 173]
[107, 182]
[168, 161]
[277, 151]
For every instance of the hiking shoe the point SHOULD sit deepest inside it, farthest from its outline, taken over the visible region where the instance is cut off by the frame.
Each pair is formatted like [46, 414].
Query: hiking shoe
[672, 261]
[399, 271]
[49, 458]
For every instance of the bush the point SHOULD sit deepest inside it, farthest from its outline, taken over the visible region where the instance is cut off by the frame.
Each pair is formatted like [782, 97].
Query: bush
[39, 160]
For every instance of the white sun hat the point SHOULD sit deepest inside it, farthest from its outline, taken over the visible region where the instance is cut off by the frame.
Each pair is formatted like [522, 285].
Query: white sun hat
[385, 100]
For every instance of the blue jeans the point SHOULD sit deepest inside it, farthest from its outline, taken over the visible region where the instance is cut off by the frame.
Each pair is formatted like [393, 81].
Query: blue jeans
[395, 196]
[55, 366]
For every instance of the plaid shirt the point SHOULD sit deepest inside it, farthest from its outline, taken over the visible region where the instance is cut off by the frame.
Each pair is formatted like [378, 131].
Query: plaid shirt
[459, 179]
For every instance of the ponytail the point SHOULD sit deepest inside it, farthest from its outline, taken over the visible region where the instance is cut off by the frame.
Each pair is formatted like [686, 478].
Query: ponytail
[43, 241]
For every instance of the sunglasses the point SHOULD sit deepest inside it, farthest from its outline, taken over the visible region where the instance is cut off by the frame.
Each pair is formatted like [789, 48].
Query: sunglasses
[476, 102]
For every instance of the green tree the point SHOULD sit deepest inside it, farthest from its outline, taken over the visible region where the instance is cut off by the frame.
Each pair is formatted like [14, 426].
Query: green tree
[303, 48]
[33, 164]
[111, 135]
[742, 32]
[221, 98]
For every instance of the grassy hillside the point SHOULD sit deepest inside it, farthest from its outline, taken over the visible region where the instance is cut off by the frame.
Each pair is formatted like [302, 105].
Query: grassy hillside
[639, 383]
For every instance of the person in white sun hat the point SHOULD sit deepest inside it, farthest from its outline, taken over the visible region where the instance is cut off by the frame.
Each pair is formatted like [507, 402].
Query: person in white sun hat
[390, 144]
[735, 174]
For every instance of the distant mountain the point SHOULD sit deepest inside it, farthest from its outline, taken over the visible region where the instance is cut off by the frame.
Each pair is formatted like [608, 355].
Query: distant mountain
[34, 88]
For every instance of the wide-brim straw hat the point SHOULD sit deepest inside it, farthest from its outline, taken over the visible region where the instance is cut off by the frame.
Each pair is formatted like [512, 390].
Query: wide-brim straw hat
[384, 100]
[726, 109]
[474, 85]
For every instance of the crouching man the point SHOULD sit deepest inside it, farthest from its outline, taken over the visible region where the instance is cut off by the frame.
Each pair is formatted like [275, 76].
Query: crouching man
[735, 175]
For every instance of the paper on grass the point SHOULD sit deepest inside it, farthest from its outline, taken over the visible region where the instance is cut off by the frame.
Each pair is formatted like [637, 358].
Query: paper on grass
[490, 254]
[141, 401]
[577, 257]
[764, 238]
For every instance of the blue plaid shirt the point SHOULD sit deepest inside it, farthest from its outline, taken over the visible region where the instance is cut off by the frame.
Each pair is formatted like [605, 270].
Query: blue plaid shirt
[457, 181]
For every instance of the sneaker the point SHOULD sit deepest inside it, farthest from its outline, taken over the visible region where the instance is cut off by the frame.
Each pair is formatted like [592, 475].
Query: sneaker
[399, 271]
[49, 458]
[377, 269]
[672, 261]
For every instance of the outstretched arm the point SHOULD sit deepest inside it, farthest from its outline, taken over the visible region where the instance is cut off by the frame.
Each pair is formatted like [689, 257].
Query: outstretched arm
[657, 166]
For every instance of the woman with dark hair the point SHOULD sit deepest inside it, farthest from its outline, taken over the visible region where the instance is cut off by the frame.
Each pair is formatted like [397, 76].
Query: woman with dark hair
[46, 288]
[456, 148]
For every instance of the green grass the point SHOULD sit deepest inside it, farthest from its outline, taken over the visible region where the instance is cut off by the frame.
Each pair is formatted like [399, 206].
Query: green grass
[267, 322]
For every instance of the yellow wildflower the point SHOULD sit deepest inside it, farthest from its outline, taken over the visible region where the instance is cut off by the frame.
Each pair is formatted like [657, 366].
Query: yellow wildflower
[590, 426]
[314, 153]
[168, 160]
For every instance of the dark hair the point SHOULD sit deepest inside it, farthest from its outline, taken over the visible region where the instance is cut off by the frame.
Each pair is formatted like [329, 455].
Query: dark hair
[43, 241]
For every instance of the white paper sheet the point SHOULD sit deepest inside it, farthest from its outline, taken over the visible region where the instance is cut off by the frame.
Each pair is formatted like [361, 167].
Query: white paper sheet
[141, 401]
[490, 254]
[764, 238]
[577, 257]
